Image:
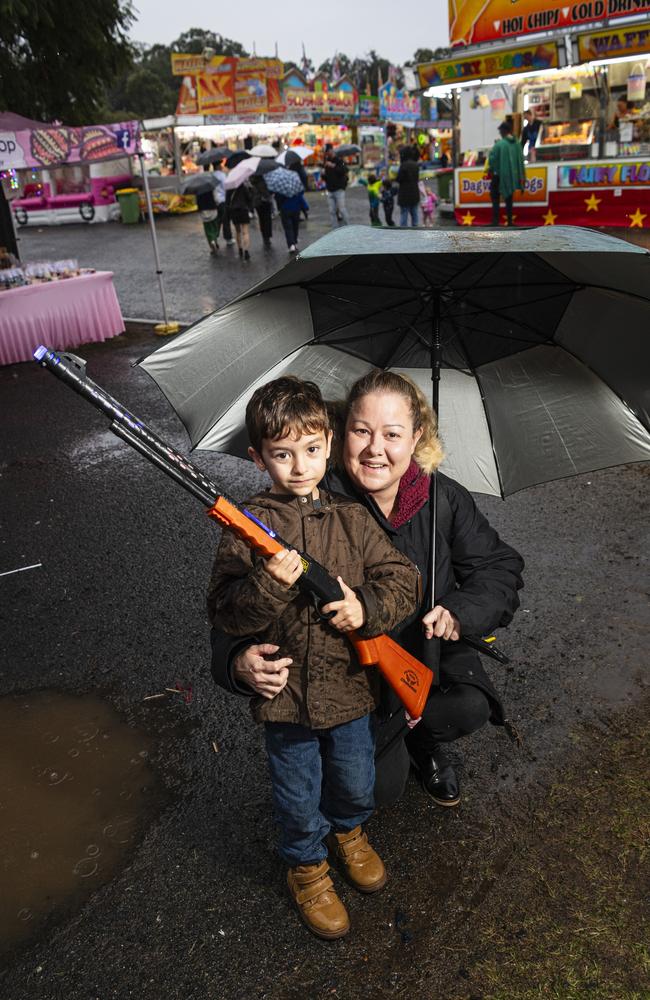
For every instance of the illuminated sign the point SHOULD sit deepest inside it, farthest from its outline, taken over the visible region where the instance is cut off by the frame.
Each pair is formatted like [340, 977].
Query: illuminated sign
[474, 187]
[499, 63]
[615, 42]
[475, 21]
[621, 174]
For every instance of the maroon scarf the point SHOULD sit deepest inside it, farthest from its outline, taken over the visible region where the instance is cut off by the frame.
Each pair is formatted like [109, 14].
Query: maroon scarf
[412, 494]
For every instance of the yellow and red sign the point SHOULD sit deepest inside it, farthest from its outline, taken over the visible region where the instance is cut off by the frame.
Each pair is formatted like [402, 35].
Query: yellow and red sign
[215, 87]
[475, 21]
[250, 87]
[628, 41]
[474, 187]
[498, 63]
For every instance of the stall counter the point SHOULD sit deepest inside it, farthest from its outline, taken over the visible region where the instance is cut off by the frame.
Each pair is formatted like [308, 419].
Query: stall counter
[608, 192]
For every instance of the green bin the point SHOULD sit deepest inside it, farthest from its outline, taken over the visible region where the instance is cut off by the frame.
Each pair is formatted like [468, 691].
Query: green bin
[129, 202]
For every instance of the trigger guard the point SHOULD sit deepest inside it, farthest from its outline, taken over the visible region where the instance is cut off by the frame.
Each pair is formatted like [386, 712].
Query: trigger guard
[318, 608]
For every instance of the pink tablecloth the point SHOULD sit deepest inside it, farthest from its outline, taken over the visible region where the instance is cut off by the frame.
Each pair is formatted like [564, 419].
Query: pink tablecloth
[60, 314]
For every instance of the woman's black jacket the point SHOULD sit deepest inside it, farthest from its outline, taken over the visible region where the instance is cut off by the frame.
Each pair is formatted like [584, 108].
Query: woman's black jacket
[477, 579]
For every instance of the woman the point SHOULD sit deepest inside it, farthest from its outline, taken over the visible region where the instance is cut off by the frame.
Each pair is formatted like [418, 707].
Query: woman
[388, 444]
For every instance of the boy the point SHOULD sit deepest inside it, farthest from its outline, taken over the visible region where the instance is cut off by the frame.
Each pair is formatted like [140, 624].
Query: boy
[319, 728]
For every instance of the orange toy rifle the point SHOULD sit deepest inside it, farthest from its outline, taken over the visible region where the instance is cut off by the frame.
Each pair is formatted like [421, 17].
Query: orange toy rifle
[409, 678]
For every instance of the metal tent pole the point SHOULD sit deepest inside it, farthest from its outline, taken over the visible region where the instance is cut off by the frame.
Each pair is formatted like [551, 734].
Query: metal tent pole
[166, 327]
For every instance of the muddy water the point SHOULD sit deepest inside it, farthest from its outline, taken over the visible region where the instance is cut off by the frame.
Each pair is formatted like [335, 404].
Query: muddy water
[76, 791]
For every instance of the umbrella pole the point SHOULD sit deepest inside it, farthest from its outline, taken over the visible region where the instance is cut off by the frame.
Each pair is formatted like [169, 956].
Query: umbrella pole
[432, 646]
[162, 329]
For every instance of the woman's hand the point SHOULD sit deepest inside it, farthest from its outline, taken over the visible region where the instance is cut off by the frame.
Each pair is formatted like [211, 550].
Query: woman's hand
[441, 623]
[350, 613]
[266, 677]
[285, 567]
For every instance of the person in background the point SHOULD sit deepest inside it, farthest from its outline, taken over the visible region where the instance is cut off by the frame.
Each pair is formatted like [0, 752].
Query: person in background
[388, 200]
[506, 170]
[408, 195]
[428, 202]
[374, 189]
[212, 209]
[239, 203]
[335, 174]
[529, 135]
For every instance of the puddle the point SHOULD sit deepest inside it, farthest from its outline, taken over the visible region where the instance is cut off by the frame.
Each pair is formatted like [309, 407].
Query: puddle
[76, 792]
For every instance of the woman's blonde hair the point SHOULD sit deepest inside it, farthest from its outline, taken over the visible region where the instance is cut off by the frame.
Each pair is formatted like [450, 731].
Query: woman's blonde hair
[428, 451]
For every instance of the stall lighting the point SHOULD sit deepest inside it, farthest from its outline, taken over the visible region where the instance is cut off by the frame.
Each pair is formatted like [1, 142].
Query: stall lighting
[618, 59]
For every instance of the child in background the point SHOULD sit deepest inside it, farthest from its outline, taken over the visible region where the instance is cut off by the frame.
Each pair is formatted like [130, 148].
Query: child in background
[388, 200]
[319, 727]
[428, 203]
[374, 187]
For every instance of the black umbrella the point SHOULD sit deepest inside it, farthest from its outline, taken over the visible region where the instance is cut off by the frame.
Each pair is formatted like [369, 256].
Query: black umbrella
[214, 155]
[266, 165]
[236, 158]
[198, 183]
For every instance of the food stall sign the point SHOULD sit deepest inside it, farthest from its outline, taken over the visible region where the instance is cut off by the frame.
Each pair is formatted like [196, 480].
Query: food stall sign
[613, 43]
[50, 147]
[398, 105]
[215, 87]
[250, 86]
[502, 62]
[474, 187]
[472, 22]
[604, 175]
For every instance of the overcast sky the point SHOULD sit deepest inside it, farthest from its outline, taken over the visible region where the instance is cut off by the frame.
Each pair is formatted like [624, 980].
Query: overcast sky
[394, 29]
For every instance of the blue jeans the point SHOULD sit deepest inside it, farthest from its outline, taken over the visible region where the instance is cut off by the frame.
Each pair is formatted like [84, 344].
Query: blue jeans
[405, 211]
[322, 779]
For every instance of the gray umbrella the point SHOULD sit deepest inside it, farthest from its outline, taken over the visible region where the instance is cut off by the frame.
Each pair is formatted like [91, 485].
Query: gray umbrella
[535, 342]
[198, 183]
[542, 335]
[214, 155]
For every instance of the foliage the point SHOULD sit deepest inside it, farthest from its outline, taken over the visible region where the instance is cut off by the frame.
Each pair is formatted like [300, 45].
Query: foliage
[57, 58]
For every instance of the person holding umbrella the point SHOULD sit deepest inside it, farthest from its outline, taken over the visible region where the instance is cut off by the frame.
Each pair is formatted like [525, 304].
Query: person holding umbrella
[507, 171]
[387, 445]
[336, 181]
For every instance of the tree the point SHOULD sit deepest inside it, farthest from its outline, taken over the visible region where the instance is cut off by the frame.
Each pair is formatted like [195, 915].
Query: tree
[429, 55]
[196, 39]
[58, 58]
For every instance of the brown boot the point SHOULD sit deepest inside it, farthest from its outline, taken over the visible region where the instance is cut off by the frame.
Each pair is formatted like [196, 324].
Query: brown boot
[315, 898]
[363, 866]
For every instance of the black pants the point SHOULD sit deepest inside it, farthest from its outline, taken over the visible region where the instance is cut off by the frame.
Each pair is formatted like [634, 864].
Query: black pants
[291, 226]
[457, 711]
[264, 214]
[374, 214]
[223, 220]
[496, 197]
[388, 212]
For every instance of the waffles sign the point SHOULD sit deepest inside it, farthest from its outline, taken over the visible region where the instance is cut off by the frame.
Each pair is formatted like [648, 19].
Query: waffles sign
[50, 147]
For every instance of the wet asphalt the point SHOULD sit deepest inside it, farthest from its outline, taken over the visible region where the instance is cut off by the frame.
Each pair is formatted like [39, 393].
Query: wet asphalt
[198, 909]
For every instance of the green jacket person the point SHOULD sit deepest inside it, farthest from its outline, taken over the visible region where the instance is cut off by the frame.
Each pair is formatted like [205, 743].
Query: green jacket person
[506, 166]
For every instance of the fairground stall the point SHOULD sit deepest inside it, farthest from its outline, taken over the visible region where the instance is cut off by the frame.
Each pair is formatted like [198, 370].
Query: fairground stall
[53, 174]
[577, 101]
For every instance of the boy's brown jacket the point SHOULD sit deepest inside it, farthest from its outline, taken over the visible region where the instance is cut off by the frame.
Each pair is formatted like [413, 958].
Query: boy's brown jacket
[326, 685]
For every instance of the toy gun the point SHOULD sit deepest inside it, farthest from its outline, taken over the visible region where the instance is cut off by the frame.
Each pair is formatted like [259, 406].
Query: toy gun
[409, 679]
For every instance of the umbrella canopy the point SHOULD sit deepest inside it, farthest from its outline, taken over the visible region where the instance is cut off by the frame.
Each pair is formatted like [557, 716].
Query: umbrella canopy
[347, 149]
[236, 157]
[198, 183]
[214, 155]
[246, 169]
[241, 173]
[296, 155]
[283, 181]
[263, 149]
[543, 344]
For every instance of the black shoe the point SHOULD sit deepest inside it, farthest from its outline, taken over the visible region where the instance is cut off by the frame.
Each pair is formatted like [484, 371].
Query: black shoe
[247, 256]
[437, 775]
[241, 252]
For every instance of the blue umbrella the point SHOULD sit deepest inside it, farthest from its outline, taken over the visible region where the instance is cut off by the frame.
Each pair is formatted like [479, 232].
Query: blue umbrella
[285, 182]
